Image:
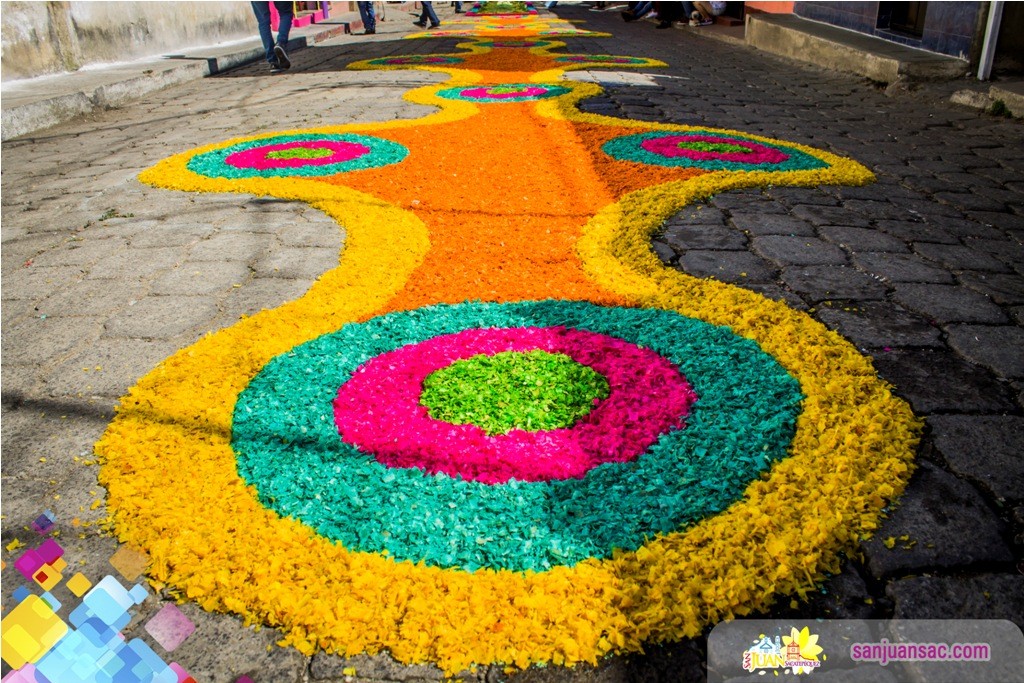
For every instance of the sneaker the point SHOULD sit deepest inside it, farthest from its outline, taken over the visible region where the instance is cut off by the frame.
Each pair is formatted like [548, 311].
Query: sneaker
[627, 16]
[664, 24]
[421, 24]
[705, 22]
[694, 22]
[276, 68]
[282, 57]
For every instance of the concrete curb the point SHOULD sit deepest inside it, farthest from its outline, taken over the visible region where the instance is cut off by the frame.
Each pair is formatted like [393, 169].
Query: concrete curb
[835, 48]
[1010, 94]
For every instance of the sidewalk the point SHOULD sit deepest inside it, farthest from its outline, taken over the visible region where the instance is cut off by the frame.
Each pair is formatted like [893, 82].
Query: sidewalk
[36, 104]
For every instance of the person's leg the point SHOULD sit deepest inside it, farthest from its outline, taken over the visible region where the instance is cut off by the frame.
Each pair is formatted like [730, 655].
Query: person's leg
[422, 21]
[285, 14]
[458, 7]
[368, 16]
[262, 12]
[284, 27]
[428, 10]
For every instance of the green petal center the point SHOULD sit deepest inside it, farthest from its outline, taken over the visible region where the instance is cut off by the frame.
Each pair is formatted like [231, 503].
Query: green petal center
[531, 390]
[300, 153]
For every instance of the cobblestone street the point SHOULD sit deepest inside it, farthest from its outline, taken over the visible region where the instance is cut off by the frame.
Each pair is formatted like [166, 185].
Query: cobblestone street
[922, 270]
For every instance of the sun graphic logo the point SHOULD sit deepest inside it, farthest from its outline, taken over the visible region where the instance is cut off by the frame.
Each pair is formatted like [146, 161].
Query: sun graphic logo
[797, 653]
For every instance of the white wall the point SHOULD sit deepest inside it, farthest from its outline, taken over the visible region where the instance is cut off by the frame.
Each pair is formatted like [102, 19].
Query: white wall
[52, 37]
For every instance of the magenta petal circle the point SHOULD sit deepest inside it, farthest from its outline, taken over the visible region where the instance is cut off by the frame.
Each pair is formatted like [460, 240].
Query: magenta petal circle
[378, 408]
[258, 157]
[669, 146]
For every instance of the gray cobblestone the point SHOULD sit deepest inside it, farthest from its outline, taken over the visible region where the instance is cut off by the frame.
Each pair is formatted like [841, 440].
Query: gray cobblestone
[161, 317]
[960, 258]
[939, 522]
[771, 224]
[862, 239]
[948, 303]
[740, 267]
[230, 246]
[136, 263]
[880, 325]
[986, 596]
[1002, 288]
[901, 268]
[683, 237]
[800, 251]
[984, 448]
[995, 347]
[936, 380]
[829, 215]
[201, 277]
[38, 282]
[915, 231]
[825, 283]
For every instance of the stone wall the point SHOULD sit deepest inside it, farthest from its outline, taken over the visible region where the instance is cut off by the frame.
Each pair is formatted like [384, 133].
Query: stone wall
[52, 37]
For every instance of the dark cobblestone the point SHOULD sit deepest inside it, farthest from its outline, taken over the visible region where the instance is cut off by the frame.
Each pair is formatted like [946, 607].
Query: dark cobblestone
[738, 267]
[901, 267]
[1003, 289]
[862, 239]
[771, 224]
[937, 380]
[940, 522]
[683, 237]
[917, 231]
[880, 325]
[787, 250]
[948, 303]
[828, 282]
[986, 449]
[960, 258]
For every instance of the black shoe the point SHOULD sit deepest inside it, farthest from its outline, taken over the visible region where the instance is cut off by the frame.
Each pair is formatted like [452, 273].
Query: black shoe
[664, 24]
[275, 68]
[434, 26]
[421, 24]
[369, 31]
[282, 57]
[628, 16]
[459, 11]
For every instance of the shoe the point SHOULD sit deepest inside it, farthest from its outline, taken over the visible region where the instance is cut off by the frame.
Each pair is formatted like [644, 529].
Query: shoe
[276, 68]
[369, 31]
[282, 57]
[433, 26]
[694, 22]
[459, 11]
[421, 24]
[627, 16]
[705, 22]
[664, 24]
[694, 15]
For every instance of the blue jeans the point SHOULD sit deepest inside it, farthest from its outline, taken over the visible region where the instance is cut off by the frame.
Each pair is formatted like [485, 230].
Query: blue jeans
[367, 15]
[429, 14]
[262, 12]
